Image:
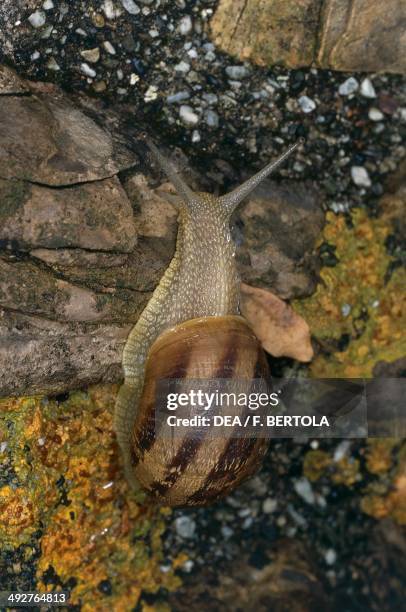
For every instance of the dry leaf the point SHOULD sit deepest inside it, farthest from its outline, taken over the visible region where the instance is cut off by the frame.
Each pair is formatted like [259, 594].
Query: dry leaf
[281, 331]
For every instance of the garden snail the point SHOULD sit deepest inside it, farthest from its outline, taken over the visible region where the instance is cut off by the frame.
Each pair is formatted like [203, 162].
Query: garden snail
[191, 328]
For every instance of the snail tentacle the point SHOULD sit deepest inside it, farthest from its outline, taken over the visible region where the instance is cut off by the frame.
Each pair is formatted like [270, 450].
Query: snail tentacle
[234, 198]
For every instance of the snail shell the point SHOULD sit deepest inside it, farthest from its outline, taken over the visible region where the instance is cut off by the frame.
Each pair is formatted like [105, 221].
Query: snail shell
[194, 470]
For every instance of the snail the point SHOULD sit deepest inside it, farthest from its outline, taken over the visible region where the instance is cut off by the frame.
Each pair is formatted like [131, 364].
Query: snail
[191, 328]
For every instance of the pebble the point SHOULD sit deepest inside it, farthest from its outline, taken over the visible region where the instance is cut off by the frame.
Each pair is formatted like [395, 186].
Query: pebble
[307, 104]
[367, 89]
[304, 489]
[182, 67]
[131, 7]
[341, 450]
[360, 176]
[226, 531]
[345, 309]
[348, 87]
[91, 55]
[330, 556]
[269, 505]
[109, 47]
[52, 64]
[37, 19]
[151, 93]
[185, 25]
[196, 136]
[211, 118]
[48, 5]
[188, 115]
[185, 527]
[110, 10]
[375, 114]
[210, 98]
[188, 566]
[178, 97]
[85, 68]
[236, 72]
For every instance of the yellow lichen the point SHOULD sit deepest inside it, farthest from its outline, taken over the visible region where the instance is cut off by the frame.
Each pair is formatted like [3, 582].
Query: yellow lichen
[65, 461]
[315, 464]
[354, 298]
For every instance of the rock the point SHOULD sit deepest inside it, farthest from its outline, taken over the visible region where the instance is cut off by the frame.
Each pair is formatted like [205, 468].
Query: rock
[279, 577]
[66, 351]
[91, 55]
[85, 68]
[95, 216]
[236, 72]
[330, 556]
[267, 33]
[304, 489]
[185, 25]
[188, 115]
[367, 89]
[47, 140]
[347, 35]
[185, 527]
[282, 223]
[363, 35]
[10, 83]
[130, 7]
[212, 119]
[306, 104]
[37, 19]
[349, 87]
[375, 114]
[360, 176]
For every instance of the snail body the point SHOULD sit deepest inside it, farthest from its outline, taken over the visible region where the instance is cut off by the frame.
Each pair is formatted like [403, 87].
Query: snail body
[191, 329]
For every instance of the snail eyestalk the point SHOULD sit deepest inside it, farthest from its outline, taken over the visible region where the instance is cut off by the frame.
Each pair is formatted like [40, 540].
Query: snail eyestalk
[234, 198]
[182, 188]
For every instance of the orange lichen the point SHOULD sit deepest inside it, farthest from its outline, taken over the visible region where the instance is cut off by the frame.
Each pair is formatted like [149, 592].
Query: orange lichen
[70, 483]
[354, 298]
[382, 499]
[379, 455]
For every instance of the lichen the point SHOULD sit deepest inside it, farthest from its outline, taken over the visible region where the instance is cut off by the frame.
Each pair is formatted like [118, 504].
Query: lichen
[65, 482]
[355, 303]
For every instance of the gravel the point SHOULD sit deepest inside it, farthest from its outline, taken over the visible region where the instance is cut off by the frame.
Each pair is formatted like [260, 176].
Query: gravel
[160, 64]
[349, 87]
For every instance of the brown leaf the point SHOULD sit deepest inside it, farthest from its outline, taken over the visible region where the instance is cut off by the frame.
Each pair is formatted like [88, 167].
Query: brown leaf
[281, 331]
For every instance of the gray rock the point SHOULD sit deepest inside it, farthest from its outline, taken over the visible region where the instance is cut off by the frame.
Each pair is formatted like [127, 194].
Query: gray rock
[211, 118]
[349, 87]
[49, 141]
[236, 72]
[131, 7]
[95, 216]
[185, 527]
[185, 25]
[188, 115]
[37, 19]
[276, 249]
[360, 176]
[304, 489]
[307, 104]
[367, 89]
